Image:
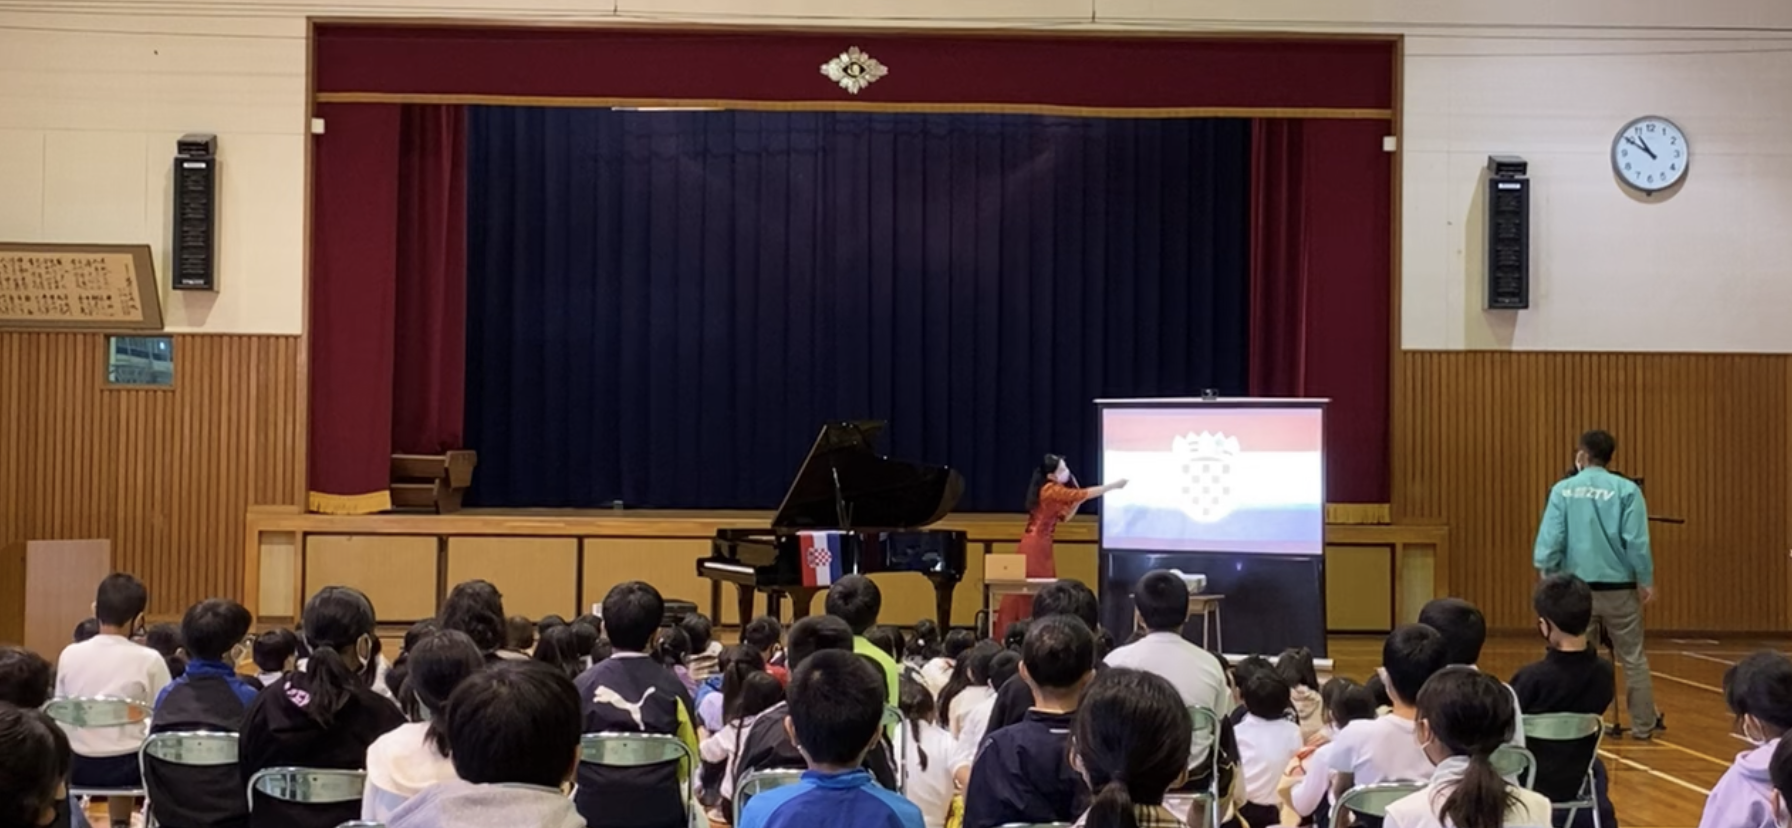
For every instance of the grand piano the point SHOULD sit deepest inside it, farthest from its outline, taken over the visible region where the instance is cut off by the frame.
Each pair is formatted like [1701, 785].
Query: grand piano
[877, 504]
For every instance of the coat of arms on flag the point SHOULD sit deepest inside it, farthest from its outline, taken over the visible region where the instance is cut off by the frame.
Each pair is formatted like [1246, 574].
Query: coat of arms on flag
[821, 557]
[1207, 461]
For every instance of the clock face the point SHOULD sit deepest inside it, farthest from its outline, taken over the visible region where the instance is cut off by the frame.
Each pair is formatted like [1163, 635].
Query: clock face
[1650, 154]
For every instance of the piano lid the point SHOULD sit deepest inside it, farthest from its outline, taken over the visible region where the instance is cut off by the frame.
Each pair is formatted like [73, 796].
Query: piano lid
[874, 492]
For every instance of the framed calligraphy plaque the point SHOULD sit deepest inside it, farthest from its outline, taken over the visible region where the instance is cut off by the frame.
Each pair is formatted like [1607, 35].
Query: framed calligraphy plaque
[78, 287]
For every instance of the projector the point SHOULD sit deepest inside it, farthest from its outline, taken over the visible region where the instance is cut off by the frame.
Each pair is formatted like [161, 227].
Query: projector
[1197, 583]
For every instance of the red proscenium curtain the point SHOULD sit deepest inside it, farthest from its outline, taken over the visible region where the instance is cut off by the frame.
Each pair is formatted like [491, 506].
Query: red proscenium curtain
[1320, 287]
[388, 295]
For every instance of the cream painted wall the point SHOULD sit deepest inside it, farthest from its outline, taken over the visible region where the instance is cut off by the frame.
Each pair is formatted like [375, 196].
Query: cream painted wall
[94, 92]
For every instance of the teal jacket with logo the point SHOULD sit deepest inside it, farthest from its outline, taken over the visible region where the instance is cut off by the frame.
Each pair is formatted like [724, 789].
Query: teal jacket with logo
[1597, 529]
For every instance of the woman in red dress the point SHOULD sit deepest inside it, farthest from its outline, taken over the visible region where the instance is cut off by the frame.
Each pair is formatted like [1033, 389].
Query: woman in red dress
[1052, 497]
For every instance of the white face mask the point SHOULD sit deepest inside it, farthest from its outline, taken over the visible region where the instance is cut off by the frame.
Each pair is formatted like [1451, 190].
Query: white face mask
[1758, 736]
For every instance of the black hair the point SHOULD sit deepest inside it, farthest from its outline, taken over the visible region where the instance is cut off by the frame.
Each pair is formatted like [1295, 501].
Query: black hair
[1067, 597]
[1059, 652]
[602, 650]
[735, 665]
[1042, 473]
[1471, 713]
[438, 665]
[757, 693]
[814, 634]
[272, 649]
[970, 670]
[1296, 667]
[633, 611]
[515, 722]
[1599, 445]
[87, 629]
[477, 609]
[764, 633]
[1461, 624]
[1267, 695]
[591, 621]
[1412, 654]
[1760, 685]
[401, 666]
[1161, 598]
[120, 599]
[1015, 634]
[698, 627]
[1566, 602]
[26, 679]
[1779, 770]
[673, 646]
[1377, 689]
[337, 618]
[856, 600]
[417, 632]
[957, 641]
[917, 707]
[587, 638]
[548, 622]
[1345, 701]
[519, 633]
[925, 644]
[34, 761]
[836, 706]
[1005, 666]
[559, 648]
[1132, 737]
[888, 639]
[1247, 668]
[213, 626]
[165, 638]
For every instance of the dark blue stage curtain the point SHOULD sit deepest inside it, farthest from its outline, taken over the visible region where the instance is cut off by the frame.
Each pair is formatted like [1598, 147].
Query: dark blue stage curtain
[663, 307]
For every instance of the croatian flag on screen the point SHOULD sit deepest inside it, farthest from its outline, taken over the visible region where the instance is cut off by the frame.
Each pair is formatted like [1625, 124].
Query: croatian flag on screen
[821, 557]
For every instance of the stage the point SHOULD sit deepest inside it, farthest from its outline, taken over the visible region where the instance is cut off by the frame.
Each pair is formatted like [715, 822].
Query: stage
[552, 561]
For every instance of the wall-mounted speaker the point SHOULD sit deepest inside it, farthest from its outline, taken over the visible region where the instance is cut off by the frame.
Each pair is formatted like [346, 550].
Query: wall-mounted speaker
[1508, 234]
[195, 250]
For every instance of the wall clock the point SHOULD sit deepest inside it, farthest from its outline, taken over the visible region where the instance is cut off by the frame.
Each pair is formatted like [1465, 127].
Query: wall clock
[1650, 154]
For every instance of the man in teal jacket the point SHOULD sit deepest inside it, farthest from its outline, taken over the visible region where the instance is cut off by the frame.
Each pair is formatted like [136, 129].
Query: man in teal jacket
[1597, 529]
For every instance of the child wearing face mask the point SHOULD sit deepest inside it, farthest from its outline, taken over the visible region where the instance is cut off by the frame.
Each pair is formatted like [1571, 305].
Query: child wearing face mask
[1463, 716]
[1782, 783]
[1759, 691]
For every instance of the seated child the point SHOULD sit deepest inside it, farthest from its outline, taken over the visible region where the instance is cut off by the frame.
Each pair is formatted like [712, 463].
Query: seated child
[632, 692]
[1571, 678]
[1465, 715]
[1309, 778]
[404, 762]
[1022, 773]
[324, 715]
[111, 664]
[766, 634]
[836, 712]
[1132, 735]
[705, 650]
[749, 693]
[1267, 739]
[207, 697]
[927, 751]
[1758, 690]
[515, 731]
[1296, 667]
[275, 652]
[1385, 748]
[519, 638]
[34, 767]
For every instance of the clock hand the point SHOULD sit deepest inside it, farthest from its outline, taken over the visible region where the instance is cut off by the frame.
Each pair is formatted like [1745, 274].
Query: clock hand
[1645, 147]
[1639, 145]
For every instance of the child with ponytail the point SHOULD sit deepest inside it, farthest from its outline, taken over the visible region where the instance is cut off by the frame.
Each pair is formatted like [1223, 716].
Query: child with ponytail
[926, 754]
[1463, 716]
[1130, 742]
[324, 716]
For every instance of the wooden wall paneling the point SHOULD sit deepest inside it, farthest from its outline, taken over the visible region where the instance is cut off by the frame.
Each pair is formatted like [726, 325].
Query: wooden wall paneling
[397, 572]
[166, 475]
[670, 564]
[1480, 436]
[537, 576]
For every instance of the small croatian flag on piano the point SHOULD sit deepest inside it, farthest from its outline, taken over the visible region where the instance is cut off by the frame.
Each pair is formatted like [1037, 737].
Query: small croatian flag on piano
[821, 557]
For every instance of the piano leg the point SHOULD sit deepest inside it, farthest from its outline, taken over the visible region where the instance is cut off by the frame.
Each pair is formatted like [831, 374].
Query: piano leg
[800, 599]
[942, 602]
[743, 602]
[715, 602]
[774, 605]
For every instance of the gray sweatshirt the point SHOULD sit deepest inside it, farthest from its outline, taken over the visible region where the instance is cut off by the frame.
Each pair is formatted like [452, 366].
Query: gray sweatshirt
[458, 804]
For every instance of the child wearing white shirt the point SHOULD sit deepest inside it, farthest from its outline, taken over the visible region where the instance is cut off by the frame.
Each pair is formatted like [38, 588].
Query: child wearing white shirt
[111, 664]
[927, 755]
[1384, 749]
[1463, 717]
[1267, 739]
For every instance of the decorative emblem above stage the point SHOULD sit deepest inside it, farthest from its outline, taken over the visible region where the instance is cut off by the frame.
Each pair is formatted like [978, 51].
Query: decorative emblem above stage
[1208, 460]
[854, 70]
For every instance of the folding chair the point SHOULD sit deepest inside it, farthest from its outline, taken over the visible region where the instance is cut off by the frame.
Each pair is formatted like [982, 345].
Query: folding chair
[636, 750]
[758, 782]
[1206, 724]
[308, 786]
[1371, 800]
[362, 823]
[189, 749]
[1571, 727]
[1514, 762]
[82, 712]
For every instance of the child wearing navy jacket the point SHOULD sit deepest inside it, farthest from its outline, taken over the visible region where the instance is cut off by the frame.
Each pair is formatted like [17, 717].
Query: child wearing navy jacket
[1023, 773]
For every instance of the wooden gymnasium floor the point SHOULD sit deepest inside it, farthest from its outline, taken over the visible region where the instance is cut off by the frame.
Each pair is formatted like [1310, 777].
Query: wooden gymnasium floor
[1661, 784]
